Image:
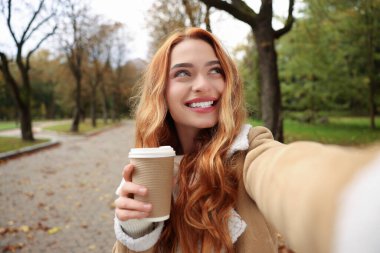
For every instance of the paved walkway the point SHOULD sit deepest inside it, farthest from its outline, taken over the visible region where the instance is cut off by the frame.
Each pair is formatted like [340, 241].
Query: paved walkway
[61, 199]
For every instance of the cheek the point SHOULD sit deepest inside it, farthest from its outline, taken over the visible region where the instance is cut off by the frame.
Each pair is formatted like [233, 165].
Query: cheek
[172, 95]
[220, 86]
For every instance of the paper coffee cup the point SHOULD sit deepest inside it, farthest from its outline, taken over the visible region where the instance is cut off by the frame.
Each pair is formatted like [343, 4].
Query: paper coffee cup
[154, 170]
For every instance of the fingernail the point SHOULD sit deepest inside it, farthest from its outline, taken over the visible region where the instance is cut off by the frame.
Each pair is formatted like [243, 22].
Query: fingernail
[142, 190]
[147, 206]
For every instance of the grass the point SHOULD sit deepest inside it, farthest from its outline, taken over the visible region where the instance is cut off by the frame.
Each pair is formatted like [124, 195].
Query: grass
[84, 127]
[14, 143]
[339, 130]
[7, 125]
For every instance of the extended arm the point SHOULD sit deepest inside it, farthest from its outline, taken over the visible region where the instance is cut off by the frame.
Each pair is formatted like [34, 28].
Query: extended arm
[298, 186]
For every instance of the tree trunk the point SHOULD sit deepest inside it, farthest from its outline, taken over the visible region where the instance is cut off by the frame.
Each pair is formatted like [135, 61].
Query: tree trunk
[93, 106]
[270, 84]
[105, 103]
[21, 96]
[77, 110]
[372, 104]
[112, 107]
[207, 19]
[26, 123]
[371, 69]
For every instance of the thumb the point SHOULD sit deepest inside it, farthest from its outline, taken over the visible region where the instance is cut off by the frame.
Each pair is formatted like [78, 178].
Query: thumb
[127, 172]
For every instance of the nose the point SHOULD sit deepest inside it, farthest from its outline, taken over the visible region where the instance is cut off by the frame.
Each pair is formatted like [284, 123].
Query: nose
[201, 84]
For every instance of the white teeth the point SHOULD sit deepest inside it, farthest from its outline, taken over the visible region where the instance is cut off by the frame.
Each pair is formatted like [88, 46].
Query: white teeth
[201, 104]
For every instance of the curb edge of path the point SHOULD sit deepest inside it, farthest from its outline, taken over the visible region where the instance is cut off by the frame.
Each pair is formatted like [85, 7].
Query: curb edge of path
[27, 150]
[32, 149]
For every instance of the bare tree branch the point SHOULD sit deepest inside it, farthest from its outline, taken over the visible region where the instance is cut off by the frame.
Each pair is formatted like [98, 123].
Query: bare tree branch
[9, 22]
[38, 26]
[289, 22]
[22, 40]
[38, 45]
[238, 9]
[207, 19]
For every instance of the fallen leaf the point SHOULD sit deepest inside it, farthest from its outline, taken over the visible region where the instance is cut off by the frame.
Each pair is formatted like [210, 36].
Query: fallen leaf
[3, 231]
[13, 248]
[30, 236]
[92, 247]
[42, 227]
[24, 228]
[41, 205]
[53, 230]
[49, 193]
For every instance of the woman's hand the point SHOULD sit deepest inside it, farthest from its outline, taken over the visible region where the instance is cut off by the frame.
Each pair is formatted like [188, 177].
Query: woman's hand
[126, 207]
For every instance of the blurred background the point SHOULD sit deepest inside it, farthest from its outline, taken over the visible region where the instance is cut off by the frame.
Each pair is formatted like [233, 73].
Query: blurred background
[68, 70]
[310, 64]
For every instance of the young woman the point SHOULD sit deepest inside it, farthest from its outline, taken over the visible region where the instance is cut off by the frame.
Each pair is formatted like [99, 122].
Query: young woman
[235, 187]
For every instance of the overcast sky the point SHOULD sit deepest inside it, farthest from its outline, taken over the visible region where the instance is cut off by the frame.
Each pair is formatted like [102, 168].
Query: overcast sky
[132, 13]
[229, 30]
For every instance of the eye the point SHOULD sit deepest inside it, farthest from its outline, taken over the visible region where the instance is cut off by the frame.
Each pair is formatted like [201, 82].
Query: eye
[216, 70]
[181, 73]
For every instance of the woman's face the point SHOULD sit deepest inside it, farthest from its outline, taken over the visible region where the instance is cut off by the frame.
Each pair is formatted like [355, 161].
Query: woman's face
[195, 85]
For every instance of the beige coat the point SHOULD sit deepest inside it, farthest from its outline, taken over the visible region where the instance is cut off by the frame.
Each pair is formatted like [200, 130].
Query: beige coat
[295, 187]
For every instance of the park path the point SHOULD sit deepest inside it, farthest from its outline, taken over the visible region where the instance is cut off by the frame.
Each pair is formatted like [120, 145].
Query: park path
[61, 199]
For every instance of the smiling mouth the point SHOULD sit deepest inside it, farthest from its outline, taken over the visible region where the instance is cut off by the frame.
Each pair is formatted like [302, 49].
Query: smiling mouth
[205, 104]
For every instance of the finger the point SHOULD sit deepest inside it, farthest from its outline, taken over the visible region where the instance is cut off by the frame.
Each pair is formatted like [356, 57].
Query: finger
[125, 215]
[132, 188]
[132, 205]
[127, 172]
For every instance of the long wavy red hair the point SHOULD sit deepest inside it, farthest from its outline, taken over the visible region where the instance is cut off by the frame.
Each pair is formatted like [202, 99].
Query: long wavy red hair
[207, 186]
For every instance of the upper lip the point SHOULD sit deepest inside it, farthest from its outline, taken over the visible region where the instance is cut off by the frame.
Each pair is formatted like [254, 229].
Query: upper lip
[202, 99]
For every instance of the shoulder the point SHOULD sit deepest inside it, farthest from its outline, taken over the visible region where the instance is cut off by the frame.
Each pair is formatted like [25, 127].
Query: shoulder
[260, 141]
[259, 132]
[258, 136]
[249, 138]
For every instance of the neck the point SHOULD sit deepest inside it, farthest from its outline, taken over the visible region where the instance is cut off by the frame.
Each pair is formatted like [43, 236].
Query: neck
[186, 137]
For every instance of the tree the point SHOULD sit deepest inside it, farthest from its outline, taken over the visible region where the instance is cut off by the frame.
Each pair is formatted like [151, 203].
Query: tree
[247, 67]
[21, 89]
[265, 37]
[47, 73]
[121, 79]
[99, 56]
[7, 109]
[76, 24]
[370, 21]
[171, 15]
[330, 58]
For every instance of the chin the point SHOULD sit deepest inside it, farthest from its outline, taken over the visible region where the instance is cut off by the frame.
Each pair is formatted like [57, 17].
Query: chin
[203, 125]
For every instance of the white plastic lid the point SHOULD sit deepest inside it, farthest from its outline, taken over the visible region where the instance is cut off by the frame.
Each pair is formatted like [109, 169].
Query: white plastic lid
[163, 151]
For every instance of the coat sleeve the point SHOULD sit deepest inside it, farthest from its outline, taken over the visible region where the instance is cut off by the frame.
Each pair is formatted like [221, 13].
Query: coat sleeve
[127, 244]
[297, 186]
[118, 247]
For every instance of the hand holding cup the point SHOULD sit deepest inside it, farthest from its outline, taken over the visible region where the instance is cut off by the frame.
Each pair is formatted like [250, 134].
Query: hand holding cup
[126, 207]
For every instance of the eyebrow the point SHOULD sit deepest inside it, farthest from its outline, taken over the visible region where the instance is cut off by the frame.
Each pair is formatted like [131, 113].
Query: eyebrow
[190, 65]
